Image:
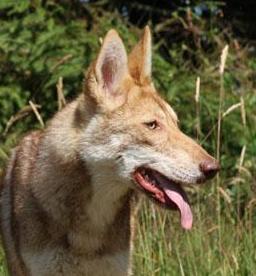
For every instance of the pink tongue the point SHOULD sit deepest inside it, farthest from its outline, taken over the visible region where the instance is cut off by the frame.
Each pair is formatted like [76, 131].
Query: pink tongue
[185, 211]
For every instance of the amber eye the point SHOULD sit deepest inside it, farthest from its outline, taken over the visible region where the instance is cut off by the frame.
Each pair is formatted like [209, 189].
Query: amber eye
[152, 125]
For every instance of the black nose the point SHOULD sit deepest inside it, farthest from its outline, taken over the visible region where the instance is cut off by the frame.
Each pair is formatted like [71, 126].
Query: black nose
[209, 168]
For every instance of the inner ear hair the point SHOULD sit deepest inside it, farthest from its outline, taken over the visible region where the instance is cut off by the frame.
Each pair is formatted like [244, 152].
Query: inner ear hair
[112, 64]
[108, 73]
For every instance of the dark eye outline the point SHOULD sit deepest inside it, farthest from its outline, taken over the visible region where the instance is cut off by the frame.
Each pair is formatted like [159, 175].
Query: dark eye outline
[152, 125]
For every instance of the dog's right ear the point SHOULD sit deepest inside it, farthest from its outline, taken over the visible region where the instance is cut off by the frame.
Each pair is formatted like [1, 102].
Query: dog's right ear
[140, 59]
[108, 72]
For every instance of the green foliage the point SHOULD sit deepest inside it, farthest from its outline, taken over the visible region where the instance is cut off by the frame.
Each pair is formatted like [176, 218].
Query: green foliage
[41, 41]
[37, 47]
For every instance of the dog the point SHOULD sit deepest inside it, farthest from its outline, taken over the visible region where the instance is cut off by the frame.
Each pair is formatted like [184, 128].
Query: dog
[70, 190]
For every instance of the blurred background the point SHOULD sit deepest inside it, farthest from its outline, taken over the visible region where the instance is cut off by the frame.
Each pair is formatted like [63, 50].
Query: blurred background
[45, 48]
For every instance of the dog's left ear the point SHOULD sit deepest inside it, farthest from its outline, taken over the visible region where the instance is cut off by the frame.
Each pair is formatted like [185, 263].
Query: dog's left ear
[108, 72]
[140, 59]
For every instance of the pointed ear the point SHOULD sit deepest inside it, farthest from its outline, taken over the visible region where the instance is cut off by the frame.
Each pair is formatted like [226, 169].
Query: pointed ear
[140, 59]
[108, 72]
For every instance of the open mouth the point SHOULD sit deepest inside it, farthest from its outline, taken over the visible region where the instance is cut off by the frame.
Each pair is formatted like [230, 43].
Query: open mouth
[166, 192]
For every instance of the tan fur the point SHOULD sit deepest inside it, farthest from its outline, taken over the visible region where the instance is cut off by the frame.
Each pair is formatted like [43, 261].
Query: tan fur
[68, 195]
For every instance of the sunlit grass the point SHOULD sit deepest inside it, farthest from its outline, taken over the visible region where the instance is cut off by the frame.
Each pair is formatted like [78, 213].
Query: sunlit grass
[162, 247]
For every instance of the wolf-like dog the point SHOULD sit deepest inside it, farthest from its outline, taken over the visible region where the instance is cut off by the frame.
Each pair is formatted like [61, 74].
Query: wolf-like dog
[69, 190]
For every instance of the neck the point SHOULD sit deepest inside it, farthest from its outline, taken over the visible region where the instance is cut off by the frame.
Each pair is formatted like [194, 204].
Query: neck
[108, 196]
[103, 224]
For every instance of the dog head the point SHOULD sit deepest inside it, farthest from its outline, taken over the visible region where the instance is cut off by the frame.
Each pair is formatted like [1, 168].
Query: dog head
[133, 134]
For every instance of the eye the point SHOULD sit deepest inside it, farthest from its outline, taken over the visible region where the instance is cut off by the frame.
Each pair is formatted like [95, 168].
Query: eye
[152, 125]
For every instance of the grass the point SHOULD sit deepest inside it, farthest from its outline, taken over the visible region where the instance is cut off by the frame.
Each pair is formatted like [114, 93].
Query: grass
[163, 248]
